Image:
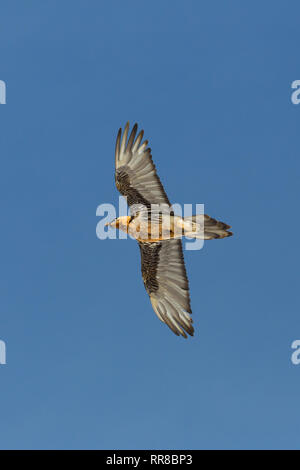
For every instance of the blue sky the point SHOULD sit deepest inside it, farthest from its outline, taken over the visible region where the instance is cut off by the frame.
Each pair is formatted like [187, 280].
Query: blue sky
[88, 363]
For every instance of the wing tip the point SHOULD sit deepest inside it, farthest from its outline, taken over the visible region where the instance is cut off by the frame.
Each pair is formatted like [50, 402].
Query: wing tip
[177, 325]
[117, 148]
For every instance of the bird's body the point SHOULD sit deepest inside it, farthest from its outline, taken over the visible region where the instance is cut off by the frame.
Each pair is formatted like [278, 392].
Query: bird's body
[153, 229]
[158, 231]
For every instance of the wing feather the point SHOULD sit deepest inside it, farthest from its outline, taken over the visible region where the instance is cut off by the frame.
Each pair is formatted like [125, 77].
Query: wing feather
[135, 173]
[166, 282]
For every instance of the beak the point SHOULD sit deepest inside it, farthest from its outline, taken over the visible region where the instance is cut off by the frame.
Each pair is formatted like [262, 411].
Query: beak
[108, 223]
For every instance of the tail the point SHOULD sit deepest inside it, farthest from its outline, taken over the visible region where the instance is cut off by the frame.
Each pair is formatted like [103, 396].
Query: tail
[205, 227]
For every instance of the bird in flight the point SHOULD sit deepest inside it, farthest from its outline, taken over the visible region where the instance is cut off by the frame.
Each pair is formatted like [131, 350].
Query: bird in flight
[158, 231]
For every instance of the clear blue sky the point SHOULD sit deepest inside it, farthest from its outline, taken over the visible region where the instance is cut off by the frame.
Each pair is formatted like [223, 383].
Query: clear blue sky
[88, 363]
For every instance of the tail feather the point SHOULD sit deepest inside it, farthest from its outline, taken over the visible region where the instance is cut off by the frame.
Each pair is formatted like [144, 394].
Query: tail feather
[212, 228]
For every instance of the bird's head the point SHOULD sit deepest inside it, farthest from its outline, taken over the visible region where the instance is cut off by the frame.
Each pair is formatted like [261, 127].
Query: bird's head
[114, 223]
[120, 223]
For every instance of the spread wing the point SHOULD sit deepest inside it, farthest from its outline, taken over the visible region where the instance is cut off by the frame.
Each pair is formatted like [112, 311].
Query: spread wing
[165, 280]
[135, 173]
